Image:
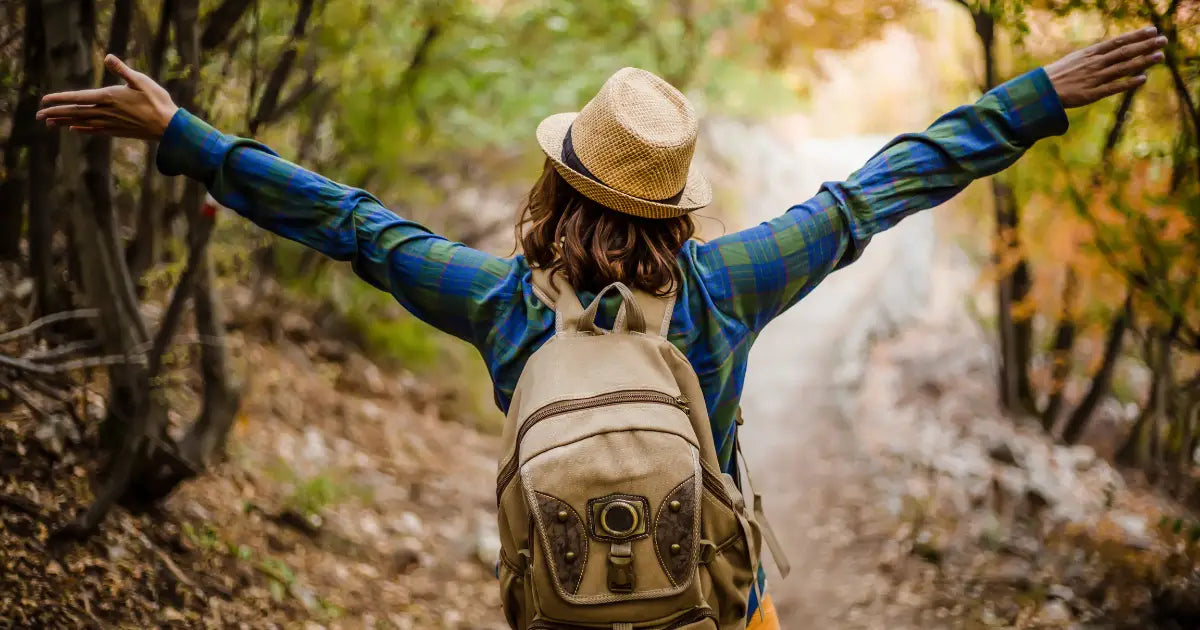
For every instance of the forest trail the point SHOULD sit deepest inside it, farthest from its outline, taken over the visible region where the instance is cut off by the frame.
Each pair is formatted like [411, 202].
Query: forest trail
[801, 446]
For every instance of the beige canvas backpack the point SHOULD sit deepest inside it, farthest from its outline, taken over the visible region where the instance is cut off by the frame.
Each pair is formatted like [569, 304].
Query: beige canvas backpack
[613, 510]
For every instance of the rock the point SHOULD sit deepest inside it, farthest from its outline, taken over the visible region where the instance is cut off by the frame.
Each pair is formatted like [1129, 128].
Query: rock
[1083, 457]
[996, 618]
[361, 376]
[961, 465]
[314, 448]
[151, 313]
[408, 524]
[295, 326]
[331, 350]
[1002, 453]
[1055, 613]
[116, 552]
[24, 289]
[239, 298]
[197, 511]
[487, 545]
[405, 560]
[927, 548]
[306, 596]
[1009, 571]
[370, 525]
[1133, 526]
[1058, 591]
[56, 431]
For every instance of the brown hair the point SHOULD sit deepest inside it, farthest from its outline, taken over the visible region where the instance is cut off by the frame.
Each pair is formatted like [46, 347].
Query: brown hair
[562, 230]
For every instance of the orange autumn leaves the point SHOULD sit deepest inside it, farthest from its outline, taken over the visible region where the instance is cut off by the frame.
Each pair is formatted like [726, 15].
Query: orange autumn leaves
[1093, 233]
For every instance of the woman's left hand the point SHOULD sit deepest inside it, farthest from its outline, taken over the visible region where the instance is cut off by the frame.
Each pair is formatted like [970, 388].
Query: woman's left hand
[139, 109]
[1110, 67]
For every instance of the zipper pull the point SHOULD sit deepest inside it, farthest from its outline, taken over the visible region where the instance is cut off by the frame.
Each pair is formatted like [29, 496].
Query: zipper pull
[682, 401]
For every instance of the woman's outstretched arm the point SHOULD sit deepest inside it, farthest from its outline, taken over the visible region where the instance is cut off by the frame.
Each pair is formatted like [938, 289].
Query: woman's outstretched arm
[755, 274]
[451, 286]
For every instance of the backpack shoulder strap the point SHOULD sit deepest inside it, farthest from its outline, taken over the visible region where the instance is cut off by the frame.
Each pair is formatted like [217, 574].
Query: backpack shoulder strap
[557, 293]
[657, 311]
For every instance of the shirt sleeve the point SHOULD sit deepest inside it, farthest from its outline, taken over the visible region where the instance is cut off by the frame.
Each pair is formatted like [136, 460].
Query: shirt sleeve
[449, 285]
[755, 274]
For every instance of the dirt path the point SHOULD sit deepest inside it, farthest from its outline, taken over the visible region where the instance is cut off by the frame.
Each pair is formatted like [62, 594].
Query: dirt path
[802, 447]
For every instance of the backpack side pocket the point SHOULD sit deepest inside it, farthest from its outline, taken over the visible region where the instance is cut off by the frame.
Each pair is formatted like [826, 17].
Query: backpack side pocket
[514, 591]
[729, 555]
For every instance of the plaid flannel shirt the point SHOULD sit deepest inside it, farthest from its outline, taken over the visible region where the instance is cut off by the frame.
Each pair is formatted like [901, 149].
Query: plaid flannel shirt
[733, 286]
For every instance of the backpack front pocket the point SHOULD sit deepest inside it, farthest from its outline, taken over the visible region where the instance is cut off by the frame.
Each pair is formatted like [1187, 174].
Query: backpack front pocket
[613, 493]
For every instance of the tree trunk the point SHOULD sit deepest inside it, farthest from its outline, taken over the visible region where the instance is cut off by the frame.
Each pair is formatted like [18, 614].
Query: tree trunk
[145, 249]
[1060, 353]
[104, 279]
[1012, 287]
[221, 396]
[1139, 447]
[49, 290]
[14, 186]
[1102, 380]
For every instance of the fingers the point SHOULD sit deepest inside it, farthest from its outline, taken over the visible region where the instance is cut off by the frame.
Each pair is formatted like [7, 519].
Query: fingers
[104, 128]
[1129, 67]
[1135, 49]
[131, 76]
[78, 97]
[1131, 37]
[1118, 86]
[80, 112]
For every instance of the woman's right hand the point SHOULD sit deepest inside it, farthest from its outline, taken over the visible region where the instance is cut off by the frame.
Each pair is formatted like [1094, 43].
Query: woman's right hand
[139, 109]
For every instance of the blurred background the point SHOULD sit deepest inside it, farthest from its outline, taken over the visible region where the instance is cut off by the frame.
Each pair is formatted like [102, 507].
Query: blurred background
[991, 420]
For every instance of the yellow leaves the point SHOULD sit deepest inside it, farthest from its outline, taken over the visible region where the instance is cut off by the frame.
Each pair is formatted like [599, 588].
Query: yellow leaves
[790, 30]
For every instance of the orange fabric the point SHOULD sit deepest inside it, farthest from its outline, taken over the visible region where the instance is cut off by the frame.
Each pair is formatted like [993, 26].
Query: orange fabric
[768, 620]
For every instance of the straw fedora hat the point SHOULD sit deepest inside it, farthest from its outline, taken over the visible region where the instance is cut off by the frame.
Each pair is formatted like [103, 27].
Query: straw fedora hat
[630, 148]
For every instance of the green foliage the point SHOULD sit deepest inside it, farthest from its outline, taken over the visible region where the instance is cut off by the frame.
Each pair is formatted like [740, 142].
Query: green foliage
[202, 536]
[414, 86]
[311, 496]
[383, 328]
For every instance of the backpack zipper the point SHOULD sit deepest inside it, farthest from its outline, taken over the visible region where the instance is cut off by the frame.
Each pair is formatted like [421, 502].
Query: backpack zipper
[715, 486]
[578, 404]
[686, 619]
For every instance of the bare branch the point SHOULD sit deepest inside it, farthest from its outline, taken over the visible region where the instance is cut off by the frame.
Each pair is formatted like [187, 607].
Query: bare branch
[158, 553]
[174, 311]
[283, 68]
[61, 351]
[67, 366]
[221, 22]
[23, 397]
[22, 505]
[83, 313]
[1181, 87]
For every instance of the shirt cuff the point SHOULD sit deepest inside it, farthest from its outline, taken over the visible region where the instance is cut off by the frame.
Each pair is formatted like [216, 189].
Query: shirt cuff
[191, 147]
[1032, 106]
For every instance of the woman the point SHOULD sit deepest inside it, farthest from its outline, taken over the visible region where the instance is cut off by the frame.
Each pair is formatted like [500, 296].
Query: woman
[613, 204]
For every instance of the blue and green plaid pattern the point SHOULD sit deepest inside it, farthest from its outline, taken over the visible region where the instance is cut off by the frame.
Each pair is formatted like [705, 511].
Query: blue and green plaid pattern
[733, 286]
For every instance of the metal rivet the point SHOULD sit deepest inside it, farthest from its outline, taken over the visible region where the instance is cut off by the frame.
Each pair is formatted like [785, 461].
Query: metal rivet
[675, 548]
[570, 556]
[675, 506]
[562, 515]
